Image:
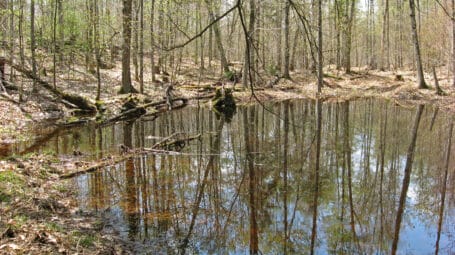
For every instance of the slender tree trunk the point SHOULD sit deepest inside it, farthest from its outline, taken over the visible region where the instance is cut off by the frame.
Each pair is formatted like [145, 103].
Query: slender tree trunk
[97, 48]
[385, 38]
[218, 36]
[292, 65]
[349, 20]
[152, 39]
[279, 20]
[21, 44]
[127, 87]
[61, 20]
[406, 179]
[135, 31]
[141, 47]
[33, 42]
[338, 33]
[453, 41]
[415, 40]
[54, 42]
[12, 39]
[320, 56]
[248, 73]
[286, 41]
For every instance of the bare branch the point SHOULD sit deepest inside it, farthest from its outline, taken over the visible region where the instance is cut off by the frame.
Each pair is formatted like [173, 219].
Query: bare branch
[205, 29]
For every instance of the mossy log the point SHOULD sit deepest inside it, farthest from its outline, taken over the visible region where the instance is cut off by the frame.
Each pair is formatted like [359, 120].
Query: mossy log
[224, 103]
[81, 102]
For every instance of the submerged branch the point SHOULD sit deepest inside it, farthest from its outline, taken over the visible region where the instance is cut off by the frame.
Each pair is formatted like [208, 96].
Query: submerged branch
[175, 141]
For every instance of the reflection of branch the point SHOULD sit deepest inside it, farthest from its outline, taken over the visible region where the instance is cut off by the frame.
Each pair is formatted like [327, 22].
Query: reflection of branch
[231, 207]
[200, 190]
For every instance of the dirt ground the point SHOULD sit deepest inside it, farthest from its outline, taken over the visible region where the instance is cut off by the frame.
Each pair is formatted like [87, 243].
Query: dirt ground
[38, 213]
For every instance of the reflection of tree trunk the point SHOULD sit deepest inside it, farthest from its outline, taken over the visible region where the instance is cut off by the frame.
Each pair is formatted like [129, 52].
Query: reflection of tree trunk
[249, 144]
[444, 188]
[316, 175]
[347, 149]
[382, 148]
[285, 173]
[200, 190]
[406, 179]
[131, 196]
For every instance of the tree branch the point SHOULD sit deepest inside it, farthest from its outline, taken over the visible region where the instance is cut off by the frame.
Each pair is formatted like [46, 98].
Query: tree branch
[205, 29]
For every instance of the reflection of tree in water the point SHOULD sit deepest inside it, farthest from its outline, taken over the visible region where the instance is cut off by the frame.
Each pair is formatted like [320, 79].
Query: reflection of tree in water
[251, 185]
[131, 199]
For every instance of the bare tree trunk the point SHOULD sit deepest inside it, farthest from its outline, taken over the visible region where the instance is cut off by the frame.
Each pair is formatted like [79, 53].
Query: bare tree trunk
[54, 44]
[12, 39]
[21, 44]
[152, 39]
[453, 41]
[33, 42]
[127, 87]
[349, 20]
[61, 41]
[141, 47]
[278, 42]
[415, 40]
[248, 72]
[218, 36]
[97, 48]
[286, 41]
[320, 56]
[385, 62]
[136, 40]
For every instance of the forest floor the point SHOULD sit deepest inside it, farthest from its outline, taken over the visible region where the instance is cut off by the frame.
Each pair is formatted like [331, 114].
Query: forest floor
[38, 212]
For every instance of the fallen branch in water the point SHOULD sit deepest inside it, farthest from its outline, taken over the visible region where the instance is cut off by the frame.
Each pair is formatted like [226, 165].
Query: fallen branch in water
[175, 141]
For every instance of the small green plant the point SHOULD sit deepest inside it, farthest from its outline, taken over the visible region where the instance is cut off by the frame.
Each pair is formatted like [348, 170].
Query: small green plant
[87, 241]
[4, 197]
[11, 177]
[273, 70]
[19, 220]
[54, 227]
[229, 75]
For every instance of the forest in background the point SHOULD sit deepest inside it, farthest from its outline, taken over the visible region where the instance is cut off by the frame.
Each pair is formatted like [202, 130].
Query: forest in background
[48, 37]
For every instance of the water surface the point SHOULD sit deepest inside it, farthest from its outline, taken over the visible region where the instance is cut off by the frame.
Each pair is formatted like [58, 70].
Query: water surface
[274, 181]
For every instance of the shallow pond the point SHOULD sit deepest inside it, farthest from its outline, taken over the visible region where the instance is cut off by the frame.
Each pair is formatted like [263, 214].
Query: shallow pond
[287, 179]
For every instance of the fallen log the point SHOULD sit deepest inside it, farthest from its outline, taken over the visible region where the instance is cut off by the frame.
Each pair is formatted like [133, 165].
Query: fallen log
[80, 102]
[176, 139]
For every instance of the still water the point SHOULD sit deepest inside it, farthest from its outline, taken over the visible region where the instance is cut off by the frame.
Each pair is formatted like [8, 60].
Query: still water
[292, 178]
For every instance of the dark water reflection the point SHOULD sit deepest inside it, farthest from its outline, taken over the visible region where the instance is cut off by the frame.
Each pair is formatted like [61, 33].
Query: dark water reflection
[311, 178]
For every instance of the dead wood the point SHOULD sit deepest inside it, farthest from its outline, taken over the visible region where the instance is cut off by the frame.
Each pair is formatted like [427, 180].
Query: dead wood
[173, 142]
[80, 102]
